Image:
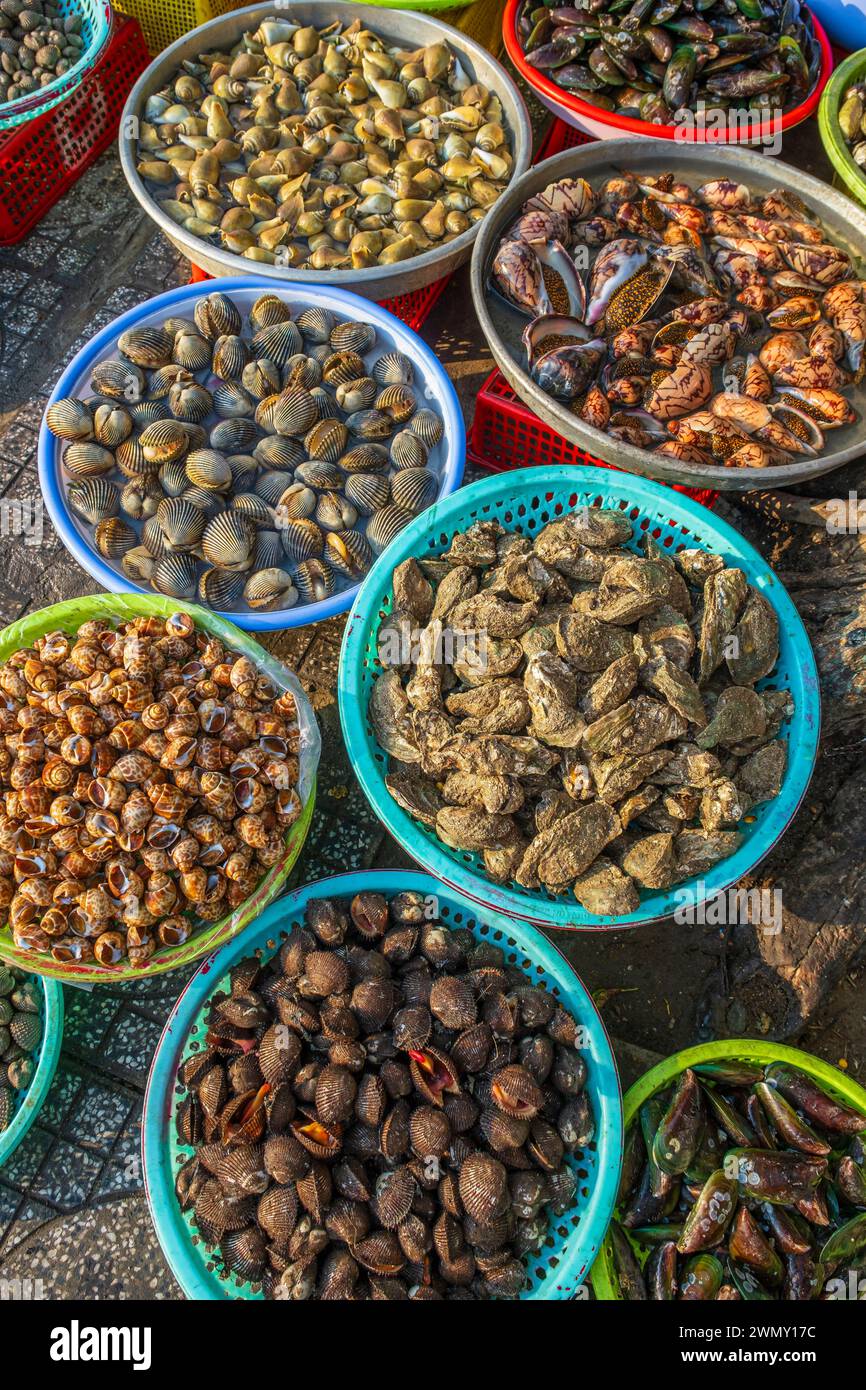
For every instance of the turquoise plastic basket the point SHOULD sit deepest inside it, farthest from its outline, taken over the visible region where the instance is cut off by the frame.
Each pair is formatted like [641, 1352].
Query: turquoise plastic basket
[95, 29]
[558, 1272]
[49, 1055]
[526, 501]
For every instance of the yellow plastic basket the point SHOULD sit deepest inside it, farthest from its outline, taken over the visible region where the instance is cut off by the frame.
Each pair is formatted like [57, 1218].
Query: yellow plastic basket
[163, 21]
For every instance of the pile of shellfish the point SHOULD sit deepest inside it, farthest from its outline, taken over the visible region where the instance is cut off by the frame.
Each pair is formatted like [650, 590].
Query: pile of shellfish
[385, 1110]
[653, 58]
[251, 466]
[149, 776]
[40, 40]
[581, 717]
[852, 121]
[328, 148]
[743, 1182]
[20, 1038]
[712, 325]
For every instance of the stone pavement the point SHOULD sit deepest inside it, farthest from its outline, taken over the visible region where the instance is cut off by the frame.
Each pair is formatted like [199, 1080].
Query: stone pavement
[72, 1210]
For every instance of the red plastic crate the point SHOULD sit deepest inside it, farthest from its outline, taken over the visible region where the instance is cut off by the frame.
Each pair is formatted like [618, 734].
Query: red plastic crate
[561, 137]
[506, 435]
[412, 308]
[40, 160]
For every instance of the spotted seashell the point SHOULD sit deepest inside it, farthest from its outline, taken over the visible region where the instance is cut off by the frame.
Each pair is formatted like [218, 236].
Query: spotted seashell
[326, 441]
[114, 537]
[233, 436]
[230, 356]
[270, 588]
[173, 479]
[316, 324]
[140, 498]
[278, 452]
[175, 575]
[365, 458]
[192, 351]
[120, 381]
[130, 459]
[326, 406]
[343, 366]
[145, 413]
[335, 512]
[253, 507]
[87, 460]
[210, 469]
[348, 552]
[414, 488]
[278, 341]
[70, 418]
[94, 499]
[301, 371]
[371, 424]
[152, 538]
[368, 492]
[408, 450]
[215, 315]
[147, 346]
[385, 525]
[398, 402]
[220, 588]
[181, 523]
[229, 541]
[244, 472]
[164, 442]
[352, 336]
[269, 551]
[297, 501]
[271, 485]
[231, 401]
[294, 413]
[261, 378]
[358, 394]
[428, 427]
[138, 564]
[314, 581]
[393, 368]
[302, 540]
[267, 310]
[190, 401]
[112, 424]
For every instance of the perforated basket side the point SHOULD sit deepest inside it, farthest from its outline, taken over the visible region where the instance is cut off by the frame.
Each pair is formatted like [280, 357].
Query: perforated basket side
[163, 21]
[39, 161]
[557, 1273]
[525, 501]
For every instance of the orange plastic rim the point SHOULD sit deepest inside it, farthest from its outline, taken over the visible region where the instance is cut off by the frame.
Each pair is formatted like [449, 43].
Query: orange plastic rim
[569, 102]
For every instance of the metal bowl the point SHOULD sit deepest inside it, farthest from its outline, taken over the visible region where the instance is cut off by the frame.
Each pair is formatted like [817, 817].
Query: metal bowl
[405, 28]
[844, 221]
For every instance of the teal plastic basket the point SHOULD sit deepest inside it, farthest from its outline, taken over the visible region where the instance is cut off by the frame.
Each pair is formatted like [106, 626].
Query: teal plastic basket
[95, 29]
[558, 1272]
[525, 501]
[33, 1098]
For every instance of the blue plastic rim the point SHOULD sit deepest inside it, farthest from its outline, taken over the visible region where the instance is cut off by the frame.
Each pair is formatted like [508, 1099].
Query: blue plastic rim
[33, 1098]
[432, 387]
[525, 501]
[95, 29]
[558, 1272]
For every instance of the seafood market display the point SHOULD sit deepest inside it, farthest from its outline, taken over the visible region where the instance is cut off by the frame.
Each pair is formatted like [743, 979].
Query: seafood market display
[20, 1038]
[326, 149]
[710, 325]
[149, 776]
[589, 722]
[744, 1182]
[852, 121]
[249, 465]
[385, 1110]
[38, 42]
[653, 58]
